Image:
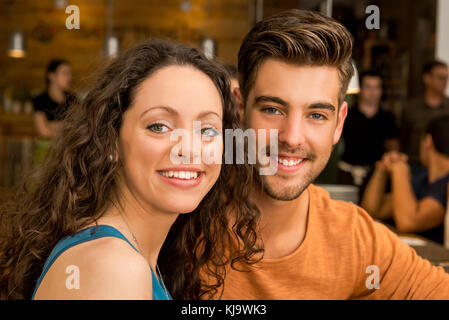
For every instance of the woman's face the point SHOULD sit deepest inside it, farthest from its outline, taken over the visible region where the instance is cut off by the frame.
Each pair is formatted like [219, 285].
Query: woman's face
[171, 99]
[62, 77]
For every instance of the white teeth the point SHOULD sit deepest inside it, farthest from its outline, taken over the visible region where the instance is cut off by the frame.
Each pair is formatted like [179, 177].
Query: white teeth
[290, 163]
[186, 175]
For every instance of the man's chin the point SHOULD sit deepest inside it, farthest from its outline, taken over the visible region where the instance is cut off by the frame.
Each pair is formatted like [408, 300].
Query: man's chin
[280, 191]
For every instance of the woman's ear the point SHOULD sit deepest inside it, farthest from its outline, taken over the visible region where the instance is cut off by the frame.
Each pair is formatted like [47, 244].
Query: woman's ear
[239, 101]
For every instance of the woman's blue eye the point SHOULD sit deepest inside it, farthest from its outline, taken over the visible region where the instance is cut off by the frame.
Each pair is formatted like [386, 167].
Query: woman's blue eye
[158, 128]
[271, 110]
[211, 132]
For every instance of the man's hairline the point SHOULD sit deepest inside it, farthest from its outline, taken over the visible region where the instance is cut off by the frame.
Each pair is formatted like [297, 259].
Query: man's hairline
[256, 72]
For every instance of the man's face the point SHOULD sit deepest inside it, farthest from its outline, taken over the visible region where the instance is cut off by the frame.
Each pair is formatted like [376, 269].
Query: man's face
[371, 89]
[437, 79]
[301, 102]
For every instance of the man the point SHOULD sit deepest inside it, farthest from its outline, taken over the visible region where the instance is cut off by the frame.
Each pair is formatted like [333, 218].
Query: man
[294, 70]
[418, 112]
[416, 203]
[368, 133]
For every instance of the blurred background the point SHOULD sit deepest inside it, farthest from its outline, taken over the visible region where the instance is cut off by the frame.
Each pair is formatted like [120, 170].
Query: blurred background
[33, 33]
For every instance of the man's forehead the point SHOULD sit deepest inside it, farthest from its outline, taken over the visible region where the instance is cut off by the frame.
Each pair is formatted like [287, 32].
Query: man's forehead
[295, 82]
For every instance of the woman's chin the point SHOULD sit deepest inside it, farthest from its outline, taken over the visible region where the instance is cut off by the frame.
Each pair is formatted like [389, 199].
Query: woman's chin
[182, 206]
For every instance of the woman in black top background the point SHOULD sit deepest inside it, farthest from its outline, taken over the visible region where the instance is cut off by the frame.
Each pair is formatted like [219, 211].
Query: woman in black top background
[51, 105]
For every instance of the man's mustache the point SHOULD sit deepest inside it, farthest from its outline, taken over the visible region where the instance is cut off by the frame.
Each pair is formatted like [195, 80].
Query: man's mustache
[298, 152]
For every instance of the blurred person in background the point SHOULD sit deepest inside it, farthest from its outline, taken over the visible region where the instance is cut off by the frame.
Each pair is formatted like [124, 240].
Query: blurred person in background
[233, 74]
[417, 202]
[368, 133]
[418, 112]
[50, 105]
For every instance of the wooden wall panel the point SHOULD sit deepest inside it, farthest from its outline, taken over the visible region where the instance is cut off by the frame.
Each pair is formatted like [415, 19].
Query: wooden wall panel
[134, 20]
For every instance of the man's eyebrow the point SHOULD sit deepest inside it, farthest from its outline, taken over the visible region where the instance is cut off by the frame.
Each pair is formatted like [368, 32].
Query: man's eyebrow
[323, 105]
[260, 99]
[167, 109]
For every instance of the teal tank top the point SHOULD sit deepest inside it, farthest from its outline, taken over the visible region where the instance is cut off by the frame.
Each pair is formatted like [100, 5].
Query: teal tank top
[92, 234]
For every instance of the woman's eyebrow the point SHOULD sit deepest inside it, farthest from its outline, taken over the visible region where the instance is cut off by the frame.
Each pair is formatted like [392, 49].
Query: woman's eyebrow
[206, 113]
[166, 108]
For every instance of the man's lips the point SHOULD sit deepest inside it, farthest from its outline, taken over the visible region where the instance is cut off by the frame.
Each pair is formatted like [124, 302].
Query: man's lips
[289, 163]
[289, 160]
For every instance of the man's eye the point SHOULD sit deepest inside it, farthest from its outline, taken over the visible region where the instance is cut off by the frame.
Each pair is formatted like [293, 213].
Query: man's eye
[271, 110]
[211, 132]
[158, 128]
[317, 116]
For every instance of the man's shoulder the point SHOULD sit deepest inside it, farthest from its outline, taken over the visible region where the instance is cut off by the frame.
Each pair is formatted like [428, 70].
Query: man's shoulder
[334, 210]
[347, 222]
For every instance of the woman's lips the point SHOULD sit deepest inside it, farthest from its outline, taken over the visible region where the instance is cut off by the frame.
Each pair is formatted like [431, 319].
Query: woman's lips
[182, 177]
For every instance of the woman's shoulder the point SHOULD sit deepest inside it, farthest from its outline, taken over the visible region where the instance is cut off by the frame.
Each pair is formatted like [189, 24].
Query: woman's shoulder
[103, 268]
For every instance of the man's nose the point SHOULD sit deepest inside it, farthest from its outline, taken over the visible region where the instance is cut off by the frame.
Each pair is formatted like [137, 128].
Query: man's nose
[292, 132]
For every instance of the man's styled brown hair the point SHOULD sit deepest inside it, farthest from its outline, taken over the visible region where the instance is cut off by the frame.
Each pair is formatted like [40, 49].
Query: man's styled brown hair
[300, 37]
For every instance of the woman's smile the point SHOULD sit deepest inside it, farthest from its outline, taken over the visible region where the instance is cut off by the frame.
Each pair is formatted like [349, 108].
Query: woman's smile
[186, 177]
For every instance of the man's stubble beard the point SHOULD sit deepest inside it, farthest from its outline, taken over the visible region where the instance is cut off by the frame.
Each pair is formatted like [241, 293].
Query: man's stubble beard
[286, 193]
[293, 192]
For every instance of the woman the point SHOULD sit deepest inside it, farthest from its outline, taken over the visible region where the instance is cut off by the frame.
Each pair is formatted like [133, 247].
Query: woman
[50, 106]
[112, 166]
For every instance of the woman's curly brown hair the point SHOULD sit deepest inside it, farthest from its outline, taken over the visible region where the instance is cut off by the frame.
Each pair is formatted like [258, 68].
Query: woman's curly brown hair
[77, 183]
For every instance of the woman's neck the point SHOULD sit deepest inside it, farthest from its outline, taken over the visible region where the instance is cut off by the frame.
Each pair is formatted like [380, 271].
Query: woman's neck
[56, 94]
[148, 226]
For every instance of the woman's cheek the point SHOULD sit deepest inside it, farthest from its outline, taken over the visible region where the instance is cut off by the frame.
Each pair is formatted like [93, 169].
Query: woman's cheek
[212, 151]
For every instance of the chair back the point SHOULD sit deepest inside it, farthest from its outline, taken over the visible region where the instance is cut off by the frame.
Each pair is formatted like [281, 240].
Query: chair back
[342, 192]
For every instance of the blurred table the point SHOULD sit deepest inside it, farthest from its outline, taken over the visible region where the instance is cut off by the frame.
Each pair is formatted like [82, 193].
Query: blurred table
[436, 253]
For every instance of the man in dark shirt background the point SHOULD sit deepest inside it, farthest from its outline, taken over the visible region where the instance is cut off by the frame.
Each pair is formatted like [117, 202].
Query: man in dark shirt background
[416, 202]
[418, 112]
[368, 133]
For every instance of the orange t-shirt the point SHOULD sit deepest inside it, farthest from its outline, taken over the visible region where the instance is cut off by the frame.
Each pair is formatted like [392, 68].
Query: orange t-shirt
[343, 251]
